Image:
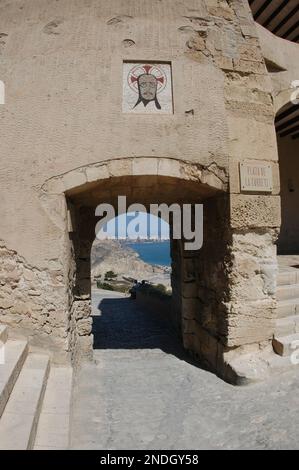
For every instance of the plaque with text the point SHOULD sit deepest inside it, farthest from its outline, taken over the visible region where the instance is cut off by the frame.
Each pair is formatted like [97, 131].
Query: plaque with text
[256, 177]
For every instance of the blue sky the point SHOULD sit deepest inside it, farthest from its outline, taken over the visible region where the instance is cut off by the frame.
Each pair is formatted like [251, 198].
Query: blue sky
[144, 225]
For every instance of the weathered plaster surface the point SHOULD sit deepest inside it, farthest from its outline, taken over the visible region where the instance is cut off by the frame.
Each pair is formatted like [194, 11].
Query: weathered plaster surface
[63, 132]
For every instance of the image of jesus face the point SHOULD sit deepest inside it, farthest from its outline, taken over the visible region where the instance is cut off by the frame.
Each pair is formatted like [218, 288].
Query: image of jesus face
[148, 87]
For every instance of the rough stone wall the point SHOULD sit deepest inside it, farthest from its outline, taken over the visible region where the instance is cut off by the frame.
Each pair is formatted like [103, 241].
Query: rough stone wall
[32, 301]
[202, 292]
[82, 237]
[176, 284]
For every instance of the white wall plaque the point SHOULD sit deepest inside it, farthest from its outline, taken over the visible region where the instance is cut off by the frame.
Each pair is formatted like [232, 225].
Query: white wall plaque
[256, 177]
[147, 88]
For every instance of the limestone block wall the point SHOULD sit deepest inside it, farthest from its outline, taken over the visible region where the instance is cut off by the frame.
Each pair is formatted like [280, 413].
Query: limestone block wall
[235, 306]
[62, 63]
[33, 301]
[201, 287]
[254, 219]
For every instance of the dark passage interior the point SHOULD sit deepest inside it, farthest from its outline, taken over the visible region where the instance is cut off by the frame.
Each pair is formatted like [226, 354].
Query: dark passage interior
[287, 129]
[120, 323]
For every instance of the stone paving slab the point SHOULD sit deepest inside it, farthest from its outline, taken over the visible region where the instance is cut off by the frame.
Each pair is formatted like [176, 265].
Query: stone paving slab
[53, 426]
[15, 354]
[19, 421]
[147, 394]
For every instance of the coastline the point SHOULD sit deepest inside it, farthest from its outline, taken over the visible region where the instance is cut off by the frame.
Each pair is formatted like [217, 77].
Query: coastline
[119, 257]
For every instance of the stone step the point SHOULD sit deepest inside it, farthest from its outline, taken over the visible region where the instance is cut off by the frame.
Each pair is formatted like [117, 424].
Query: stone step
[288, 292]
[53, 428]
[287, 308]
[3, 334]
[19, 421]
[288, 277]
[286, 345]
[15, 353]
[287, 325]
[279, 364]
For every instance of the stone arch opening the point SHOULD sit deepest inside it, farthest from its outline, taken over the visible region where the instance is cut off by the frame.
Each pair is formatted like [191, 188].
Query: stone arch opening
[199, 280]
[287, 129]
[287, 288]
[131, 296]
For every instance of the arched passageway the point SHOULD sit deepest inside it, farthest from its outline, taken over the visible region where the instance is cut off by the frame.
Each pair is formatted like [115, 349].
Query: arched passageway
[199, 282]
[287, 128]
[131, 297]
[286, 335]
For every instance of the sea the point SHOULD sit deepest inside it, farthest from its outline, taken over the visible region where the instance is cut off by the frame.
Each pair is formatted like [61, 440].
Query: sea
[155, 253]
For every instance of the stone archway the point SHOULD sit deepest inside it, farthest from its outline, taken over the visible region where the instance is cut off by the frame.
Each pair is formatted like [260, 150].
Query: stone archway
[287, 129]
[200, 279]
[286, 324]
[213, 298]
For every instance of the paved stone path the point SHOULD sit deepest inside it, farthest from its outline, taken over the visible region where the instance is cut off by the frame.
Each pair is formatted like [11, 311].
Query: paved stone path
[142, 392]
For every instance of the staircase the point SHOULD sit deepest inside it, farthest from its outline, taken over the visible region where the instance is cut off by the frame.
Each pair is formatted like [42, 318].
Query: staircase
[287, 324]
[35, 398]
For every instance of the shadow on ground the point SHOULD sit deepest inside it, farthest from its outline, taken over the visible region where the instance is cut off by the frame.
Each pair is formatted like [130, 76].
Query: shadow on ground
[133, 396]
[120, 323]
